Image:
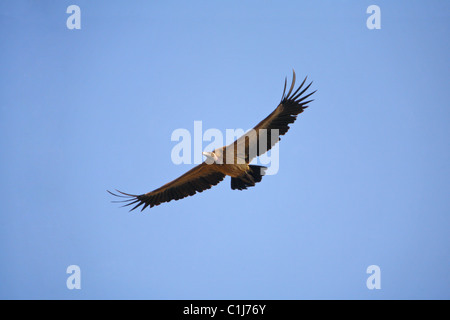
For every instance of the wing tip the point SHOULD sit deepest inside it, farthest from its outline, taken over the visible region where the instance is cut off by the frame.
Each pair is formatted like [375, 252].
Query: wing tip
[130, 199]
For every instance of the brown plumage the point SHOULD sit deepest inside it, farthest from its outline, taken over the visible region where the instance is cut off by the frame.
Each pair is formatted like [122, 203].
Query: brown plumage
[240, 154]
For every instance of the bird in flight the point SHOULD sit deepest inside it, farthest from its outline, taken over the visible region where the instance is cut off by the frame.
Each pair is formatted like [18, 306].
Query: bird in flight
[232, 160]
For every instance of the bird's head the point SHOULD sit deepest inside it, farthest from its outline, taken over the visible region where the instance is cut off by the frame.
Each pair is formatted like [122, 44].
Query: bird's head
[211, 157]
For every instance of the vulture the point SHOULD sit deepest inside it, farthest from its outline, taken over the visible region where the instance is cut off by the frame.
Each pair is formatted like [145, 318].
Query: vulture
[232, 160]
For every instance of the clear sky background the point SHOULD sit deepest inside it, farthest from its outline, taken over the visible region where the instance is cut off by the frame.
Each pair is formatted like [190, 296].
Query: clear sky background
[364, 173]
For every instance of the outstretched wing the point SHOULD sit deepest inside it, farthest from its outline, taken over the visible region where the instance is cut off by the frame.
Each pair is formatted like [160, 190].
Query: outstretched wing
[276, 124]
[198, 179]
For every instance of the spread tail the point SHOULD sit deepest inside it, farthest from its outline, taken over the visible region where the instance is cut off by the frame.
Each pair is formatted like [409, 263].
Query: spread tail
[249, 179]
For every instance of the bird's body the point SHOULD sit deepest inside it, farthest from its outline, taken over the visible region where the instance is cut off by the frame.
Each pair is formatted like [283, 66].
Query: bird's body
[232, 160]
[233, 167]
[233, 170]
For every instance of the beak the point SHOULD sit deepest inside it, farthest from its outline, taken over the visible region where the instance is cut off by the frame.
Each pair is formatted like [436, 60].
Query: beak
[210, 157]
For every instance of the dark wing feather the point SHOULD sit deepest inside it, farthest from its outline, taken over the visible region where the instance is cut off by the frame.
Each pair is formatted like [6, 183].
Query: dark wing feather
[198, 179]
[290, 107]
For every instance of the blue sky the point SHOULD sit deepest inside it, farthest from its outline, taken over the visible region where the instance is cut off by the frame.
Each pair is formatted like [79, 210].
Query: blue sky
[364, 174]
